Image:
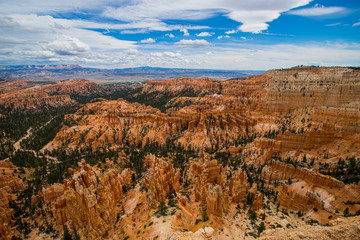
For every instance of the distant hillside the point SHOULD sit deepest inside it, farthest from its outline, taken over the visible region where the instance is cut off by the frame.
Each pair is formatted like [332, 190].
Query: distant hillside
[56, 73]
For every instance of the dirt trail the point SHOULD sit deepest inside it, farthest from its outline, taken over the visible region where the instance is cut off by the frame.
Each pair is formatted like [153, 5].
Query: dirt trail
[17, 144]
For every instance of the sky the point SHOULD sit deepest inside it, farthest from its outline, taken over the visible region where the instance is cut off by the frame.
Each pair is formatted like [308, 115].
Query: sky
[200, 34]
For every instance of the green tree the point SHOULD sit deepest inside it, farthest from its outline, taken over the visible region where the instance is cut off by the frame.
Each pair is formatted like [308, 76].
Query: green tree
[162, 208]
[261, 228]
[203, 207]
[252, 215]
[67, 235]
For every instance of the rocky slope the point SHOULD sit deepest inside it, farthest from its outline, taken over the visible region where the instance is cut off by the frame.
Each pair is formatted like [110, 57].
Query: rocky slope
[22, 95]
[340, 228]
[10, 86]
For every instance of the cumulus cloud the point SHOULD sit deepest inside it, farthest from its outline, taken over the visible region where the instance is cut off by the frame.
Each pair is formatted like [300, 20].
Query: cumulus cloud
[204, 34]
[317, 10]
[185, 31]
[197, 43]
[68, 46]
[221, 36]
[230, 32]
[170, 35]
[148, 40]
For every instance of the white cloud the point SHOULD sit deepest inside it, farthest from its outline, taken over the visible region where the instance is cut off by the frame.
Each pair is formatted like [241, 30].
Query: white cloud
[317, 10]
[30, 35]
[172, 55]
[148, 40]
[132, 51]
[244, 38]
[253, 15]
[221, 36]
[149, 14]
[265, 57]
[356, 24]
[230, 32]
[204, 34]
[192, 43]
[67, 46]
[185, 31]
[333, 24]
[254, 23]
[39, 30]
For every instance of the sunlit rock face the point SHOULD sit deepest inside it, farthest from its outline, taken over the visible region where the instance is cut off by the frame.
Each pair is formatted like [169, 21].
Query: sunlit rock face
[9, 185]
[88, 201]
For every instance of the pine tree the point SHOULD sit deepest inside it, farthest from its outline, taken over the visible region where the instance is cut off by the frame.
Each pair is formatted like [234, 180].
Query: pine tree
[261, 228]
[162, 209]
[203, 207]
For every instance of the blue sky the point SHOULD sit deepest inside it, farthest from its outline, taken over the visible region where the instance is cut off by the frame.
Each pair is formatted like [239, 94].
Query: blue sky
[209, 34]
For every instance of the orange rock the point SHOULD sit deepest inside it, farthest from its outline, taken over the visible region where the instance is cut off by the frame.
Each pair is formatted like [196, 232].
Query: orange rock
[160, 180]
[258, 202]
[8, 184]
[88, 200]
[239, 187]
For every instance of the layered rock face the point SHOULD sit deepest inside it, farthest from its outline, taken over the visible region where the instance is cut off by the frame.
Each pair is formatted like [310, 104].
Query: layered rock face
[249, 88]
[88, 201]
[296, 201]
[52, 95]
[187, 86]
[9, 184]
[282, 171]
[332, 87]
[308, 189]
[22, 95]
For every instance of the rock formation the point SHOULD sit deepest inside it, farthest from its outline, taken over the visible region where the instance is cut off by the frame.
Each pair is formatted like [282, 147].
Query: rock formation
[88, 201]
[160, 180]
[282, 171]
[9, 184]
